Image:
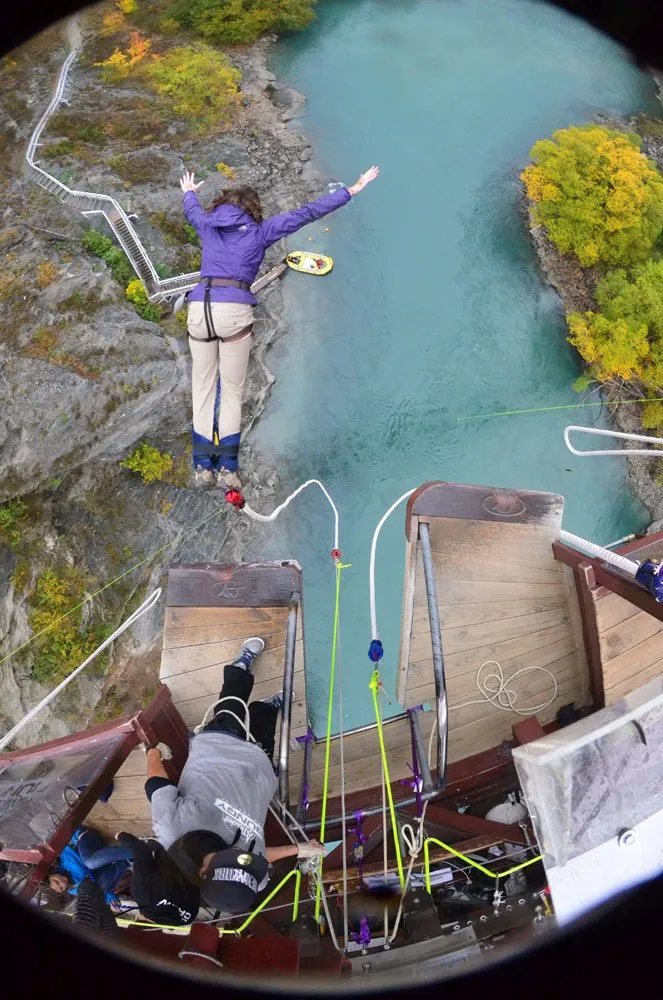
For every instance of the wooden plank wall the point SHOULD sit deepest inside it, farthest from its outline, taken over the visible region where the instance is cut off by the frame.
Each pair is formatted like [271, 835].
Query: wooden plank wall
[631, 644]
[501, 596]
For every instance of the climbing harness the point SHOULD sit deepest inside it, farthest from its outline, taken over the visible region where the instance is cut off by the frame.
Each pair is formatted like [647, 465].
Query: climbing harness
[621, 435]
[207, 311]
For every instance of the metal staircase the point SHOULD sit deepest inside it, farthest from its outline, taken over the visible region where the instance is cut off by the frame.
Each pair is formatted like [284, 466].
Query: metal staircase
[89, 203]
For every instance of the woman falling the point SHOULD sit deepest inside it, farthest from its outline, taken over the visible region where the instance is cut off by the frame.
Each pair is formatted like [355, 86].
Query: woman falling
[234, 239]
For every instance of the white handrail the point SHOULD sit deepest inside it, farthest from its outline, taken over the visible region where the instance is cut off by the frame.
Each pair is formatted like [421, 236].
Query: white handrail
[157, 288]
[599, 432]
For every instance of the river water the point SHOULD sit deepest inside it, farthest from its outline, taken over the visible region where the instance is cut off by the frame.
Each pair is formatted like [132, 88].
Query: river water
[435, 308]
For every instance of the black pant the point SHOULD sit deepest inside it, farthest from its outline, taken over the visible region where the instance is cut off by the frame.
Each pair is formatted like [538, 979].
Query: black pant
[262, 717]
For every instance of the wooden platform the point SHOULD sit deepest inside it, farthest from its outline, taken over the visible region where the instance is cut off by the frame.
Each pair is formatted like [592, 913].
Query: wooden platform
[630, 643]
[210, 609]
[501, 596]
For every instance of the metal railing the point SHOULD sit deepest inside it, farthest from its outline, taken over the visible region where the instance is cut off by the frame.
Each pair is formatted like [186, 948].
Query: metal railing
[92, 203]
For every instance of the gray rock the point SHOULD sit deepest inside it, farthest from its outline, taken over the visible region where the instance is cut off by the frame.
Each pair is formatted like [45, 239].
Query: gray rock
[109, 379]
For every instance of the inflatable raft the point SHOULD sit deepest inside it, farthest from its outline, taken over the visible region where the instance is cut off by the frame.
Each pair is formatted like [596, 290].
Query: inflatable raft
[309, 263]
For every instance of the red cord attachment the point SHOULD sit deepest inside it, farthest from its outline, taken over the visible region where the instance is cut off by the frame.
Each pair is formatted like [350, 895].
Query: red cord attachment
[336, 554]
[235, 498]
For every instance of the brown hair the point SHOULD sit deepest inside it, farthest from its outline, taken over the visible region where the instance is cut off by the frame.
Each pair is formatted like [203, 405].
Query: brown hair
[246, 198]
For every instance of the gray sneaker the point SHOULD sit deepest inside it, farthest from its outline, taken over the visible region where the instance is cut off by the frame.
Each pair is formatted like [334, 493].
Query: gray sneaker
[228, 480]
[250, 649]
[277, 700]
[203, 477]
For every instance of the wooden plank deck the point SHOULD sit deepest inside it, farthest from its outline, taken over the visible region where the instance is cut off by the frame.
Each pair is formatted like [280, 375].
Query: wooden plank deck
[197, 642]
[630, 642]
[501, 596]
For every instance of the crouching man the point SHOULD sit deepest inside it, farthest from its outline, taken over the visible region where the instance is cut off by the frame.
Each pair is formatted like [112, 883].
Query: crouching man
[212, 822]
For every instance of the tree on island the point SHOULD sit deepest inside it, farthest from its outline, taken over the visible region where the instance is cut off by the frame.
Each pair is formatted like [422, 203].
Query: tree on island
[598, 197]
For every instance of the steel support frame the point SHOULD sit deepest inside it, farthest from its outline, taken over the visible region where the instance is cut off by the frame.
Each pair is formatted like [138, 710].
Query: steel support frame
[286, 721]
[442, 708]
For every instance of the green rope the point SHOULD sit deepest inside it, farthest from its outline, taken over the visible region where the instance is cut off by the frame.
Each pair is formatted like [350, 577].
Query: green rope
[90, 597]
[374, 685]
[330, 707]
[568, 406]
[475, 864]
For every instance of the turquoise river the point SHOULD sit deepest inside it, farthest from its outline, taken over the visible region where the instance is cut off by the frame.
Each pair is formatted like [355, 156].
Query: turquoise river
[435, 308]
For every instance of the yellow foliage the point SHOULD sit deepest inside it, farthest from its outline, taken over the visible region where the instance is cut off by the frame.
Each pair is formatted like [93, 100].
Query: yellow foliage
[227, 171]
[612, 348]
[127, 6]
[47, 272]
[111, 23]
[198, 82]
[119, 65]
[115, 68]
[596, 194]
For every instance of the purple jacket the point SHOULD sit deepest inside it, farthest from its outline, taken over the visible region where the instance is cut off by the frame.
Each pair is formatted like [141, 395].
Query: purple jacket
[234, 244]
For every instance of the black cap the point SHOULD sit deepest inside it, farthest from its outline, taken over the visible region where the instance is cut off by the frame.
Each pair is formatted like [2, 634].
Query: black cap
[233, 879]
[162, 892]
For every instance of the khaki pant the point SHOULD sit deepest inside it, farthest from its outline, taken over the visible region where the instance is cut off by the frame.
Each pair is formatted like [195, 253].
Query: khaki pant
[216, 361]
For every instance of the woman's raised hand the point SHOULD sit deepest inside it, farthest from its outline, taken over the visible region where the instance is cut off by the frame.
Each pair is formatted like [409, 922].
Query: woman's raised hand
[364, 179]
[187, 184]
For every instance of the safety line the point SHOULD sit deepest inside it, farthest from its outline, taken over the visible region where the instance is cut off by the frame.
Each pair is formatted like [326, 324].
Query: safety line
[464, 857]
[330, 708]
[567, 406]
[373, 685]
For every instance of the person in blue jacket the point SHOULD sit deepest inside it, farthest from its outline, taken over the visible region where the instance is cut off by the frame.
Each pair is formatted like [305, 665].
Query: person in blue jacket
[87, 856]
[234, 239]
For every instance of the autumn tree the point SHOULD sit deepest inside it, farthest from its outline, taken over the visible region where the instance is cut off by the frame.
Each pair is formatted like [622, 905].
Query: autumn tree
[596, 194]
[625, 338]
[236, 22]
[197, 81]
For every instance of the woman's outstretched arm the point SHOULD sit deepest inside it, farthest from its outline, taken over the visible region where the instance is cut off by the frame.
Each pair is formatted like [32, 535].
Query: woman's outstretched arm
[193, 210]
[278, 226]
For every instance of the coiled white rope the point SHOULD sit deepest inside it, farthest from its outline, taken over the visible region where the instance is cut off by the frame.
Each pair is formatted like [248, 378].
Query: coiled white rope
[145, 606]
[600, 432]
[495, 689]
[244, 723]
[254, 515]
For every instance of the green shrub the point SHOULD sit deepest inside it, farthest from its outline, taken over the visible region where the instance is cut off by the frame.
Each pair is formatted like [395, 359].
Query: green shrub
[624, 339]
[148, 310]
[116, 259]
[64, 148]
[175, 231]
[197, 82]
[12, 520]
[150, 463]
[67, 642]
[236, 22]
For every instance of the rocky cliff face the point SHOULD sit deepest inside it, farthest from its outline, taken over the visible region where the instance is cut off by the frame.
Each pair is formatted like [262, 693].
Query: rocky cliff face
[83, 378]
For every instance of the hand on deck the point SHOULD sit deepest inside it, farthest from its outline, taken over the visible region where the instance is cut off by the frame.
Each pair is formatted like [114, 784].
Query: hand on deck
[364, 179]
[187, 183]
